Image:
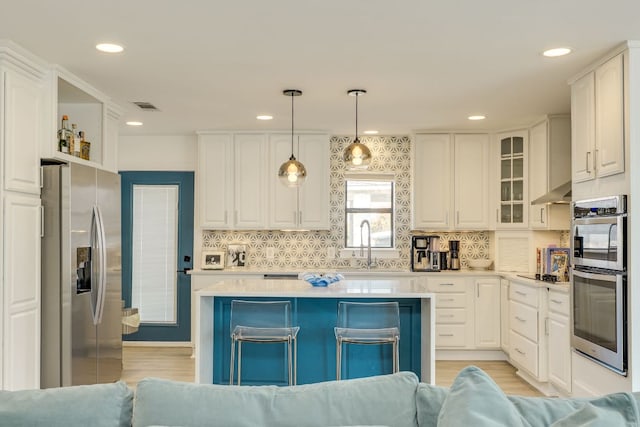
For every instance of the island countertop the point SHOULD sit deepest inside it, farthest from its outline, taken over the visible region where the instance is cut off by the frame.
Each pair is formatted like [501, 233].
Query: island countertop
[316, 307]
[373, 288]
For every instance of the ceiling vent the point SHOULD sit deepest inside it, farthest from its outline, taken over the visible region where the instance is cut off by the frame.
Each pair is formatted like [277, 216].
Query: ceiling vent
[146, 106]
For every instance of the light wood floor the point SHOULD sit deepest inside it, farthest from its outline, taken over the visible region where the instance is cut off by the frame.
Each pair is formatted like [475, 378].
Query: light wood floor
[175, 363]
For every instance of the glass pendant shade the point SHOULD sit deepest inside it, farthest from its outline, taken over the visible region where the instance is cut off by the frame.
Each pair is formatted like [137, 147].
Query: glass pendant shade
[292, 173]
[357, 155]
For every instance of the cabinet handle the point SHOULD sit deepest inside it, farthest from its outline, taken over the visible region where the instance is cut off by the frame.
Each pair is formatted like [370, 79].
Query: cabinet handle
[300, 218]
[446, 315]
[521, 319]
[587, 158]
[524, 294]
[520, 351]
[541, 218]
[41, 221]
[546, 326]
[446, 300]
[457, 217]
[595, 159]
[497, 215]
[446, 284]
[445, 335]
[556, 301]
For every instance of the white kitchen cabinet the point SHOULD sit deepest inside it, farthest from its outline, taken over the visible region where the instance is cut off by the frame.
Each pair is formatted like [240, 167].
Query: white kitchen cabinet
[93, 112]
[504, 315]
[527, 323]
[250, 180]
[471, 169]
[549, 168]
[450, 174]
[23, 127]
[597, 106]
[432, 183]
[305, 207]
[559, 330]
[454, 312]
[215, 181]
[512, 210]
[487, 313]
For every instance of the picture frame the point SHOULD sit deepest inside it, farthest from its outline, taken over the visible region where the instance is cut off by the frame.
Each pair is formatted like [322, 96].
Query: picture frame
[237, 256]
[213, 260]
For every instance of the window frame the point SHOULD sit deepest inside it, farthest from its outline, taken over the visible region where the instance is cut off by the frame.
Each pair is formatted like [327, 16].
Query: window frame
[387, 178]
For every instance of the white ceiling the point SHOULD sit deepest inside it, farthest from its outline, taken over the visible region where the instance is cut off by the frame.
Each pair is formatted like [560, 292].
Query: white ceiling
[426, 64]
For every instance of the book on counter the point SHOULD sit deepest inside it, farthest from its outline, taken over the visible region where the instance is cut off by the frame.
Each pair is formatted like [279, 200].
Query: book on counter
[553, 261]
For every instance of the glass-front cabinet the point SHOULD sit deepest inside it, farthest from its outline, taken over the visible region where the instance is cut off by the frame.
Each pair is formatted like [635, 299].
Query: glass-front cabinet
[512, 201]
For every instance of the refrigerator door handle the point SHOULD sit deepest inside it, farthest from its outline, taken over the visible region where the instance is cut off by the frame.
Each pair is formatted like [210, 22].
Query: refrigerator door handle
[102, 265]
[95, 279]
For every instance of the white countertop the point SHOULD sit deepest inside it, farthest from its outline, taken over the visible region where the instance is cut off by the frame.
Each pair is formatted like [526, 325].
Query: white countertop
[373, 288]
[558, 286]
[346, 272]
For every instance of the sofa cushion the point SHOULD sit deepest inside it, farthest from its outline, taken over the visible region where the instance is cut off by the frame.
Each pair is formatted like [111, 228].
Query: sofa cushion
[474, 399]
[107, 405]
[383, 400]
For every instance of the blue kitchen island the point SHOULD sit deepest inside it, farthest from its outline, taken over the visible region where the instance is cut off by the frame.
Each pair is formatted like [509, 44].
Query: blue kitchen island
[314, 310]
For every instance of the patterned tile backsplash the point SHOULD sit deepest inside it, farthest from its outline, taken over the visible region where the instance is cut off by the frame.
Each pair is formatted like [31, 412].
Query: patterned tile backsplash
[308, 249]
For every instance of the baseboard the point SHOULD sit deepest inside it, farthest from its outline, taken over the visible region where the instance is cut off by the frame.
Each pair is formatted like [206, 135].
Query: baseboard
[156, 344]
[471, 355]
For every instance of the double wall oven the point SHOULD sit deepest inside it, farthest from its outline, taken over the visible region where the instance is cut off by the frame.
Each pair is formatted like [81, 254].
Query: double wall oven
[599, 281]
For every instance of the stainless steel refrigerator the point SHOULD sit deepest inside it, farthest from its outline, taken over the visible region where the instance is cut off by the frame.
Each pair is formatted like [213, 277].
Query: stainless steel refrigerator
[81, 277]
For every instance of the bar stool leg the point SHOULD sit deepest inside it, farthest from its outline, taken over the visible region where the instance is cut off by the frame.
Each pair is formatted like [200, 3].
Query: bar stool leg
[338, 359]
[295, 361]
[396, 356]
[233, 348]
[239, 361]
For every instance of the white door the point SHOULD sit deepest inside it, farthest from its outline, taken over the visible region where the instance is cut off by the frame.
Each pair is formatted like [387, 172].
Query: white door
[487, 313]
[250, 160]
[471, 171]
[313, 196]
[215, 180]
[283, 200]
[432, 181]
[582, 128]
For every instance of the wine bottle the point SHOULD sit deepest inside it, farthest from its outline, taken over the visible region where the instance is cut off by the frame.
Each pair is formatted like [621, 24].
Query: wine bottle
[77, 139]
[72, 139]
[63, 135]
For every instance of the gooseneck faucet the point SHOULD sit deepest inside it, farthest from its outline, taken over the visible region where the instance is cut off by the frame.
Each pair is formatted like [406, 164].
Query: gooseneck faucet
[369, 262]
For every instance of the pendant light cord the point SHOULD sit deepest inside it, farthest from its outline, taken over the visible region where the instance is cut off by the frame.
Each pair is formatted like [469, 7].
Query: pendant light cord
[292, 157]
[357, 95]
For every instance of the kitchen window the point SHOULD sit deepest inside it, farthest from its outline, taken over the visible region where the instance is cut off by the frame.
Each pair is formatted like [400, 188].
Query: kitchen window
[369, 197]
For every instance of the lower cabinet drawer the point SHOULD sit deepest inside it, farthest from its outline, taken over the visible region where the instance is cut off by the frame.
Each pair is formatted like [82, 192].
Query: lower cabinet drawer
[450, 336]
[524, 320]
[451, 300]
[523, 352]
[451, 315]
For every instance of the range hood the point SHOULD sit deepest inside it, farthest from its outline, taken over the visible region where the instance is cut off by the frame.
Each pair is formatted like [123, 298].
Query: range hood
[560, 194]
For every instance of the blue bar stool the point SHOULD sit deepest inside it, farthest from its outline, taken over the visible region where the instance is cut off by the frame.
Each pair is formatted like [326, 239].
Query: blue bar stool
[263, 322]
[367, 323]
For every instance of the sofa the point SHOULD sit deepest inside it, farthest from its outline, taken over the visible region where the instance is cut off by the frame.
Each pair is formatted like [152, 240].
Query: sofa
[398, 400]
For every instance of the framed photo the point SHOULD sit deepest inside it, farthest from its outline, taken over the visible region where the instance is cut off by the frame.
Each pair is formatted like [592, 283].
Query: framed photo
[213, 260]
[237, 255]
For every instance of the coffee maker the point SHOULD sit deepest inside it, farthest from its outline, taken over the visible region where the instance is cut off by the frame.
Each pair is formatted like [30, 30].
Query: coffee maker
[425, 253]
[454, 254]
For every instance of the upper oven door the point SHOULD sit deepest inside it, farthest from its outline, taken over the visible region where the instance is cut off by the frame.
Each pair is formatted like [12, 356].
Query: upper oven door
[599, 242]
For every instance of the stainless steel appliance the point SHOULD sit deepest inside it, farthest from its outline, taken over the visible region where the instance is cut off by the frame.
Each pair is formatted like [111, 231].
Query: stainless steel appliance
[598, 281]
[454, 254]
[425, 253]
[81, 277]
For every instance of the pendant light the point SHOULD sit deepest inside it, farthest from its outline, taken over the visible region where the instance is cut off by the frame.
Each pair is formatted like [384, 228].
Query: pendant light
[292, 173]
[357, 155]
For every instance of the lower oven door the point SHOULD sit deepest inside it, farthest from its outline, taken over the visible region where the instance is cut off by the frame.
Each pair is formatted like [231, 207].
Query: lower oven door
[599, 317]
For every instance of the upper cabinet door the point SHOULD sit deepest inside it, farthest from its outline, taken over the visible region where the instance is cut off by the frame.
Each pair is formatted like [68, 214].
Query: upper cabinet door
[432, 184]
[538, 173]
[23, 131]
[609, 93]
[215, 180]
[471, 167]
[582, 128]
[250, 161]
[513, 179]
[313, 195]
[283, 201]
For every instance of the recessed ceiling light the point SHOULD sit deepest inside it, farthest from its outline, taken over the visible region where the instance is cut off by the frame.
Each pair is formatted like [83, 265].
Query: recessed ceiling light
[264, 117]
[134, 123]
[370, 132]
[478, 117]
[109, 47]
[558, 51]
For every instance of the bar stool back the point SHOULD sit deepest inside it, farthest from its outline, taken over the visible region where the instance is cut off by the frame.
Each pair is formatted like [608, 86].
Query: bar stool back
[367, 323]
[263, 322]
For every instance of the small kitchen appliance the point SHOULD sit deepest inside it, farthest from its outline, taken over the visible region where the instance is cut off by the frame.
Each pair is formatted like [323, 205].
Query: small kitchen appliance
[425, 253]
[454, 254]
